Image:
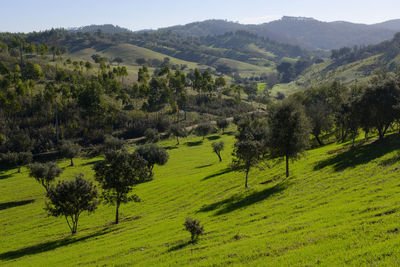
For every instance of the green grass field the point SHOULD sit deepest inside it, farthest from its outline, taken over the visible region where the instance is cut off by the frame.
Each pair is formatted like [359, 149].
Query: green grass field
[339, 207]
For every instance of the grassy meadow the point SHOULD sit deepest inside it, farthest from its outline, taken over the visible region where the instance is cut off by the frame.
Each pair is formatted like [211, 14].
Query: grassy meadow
[340, 206]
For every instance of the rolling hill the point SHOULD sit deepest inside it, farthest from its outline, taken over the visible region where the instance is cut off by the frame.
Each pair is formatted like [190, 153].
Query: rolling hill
[340, 207]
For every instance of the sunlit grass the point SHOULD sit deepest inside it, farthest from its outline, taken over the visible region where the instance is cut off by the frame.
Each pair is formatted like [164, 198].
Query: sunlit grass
[338, 207]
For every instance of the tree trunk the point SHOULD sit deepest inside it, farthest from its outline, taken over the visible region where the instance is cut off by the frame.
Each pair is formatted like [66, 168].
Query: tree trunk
[19, 169]
[247, 175]
[72, 162]
[177, 140]
[319, 140]
[287, 166]
[116, 213]
[219, 156]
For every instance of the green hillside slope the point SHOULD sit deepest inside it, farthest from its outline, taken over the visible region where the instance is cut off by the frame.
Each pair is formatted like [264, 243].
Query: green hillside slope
[340, 207]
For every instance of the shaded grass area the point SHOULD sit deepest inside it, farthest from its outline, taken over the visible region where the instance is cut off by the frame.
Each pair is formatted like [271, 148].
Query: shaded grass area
[13, 204]
[241, 201]
[360, 155]
[48, 246]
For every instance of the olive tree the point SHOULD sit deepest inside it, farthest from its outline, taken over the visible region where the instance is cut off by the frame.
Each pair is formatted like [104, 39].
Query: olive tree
[17, 159]
[222, 124]
[70, 199]
[70, 150]
[289, 131]
[251, 145]
[153, 155]
[118, 174]
[217, 148]
[178, 131]
[204, 129]
[44, 173]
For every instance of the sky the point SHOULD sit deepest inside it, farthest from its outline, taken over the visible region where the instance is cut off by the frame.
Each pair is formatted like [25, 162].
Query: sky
[38, 15]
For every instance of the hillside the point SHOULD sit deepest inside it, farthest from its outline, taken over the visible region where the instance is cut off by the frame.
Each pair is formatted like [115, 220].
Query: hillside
[347, 65]
[339, 208]
[306, 32]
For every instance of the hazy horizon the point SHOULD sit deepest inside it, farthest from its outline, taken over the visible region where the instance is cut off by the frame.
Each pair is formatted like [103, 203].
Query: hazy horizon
[133, 15]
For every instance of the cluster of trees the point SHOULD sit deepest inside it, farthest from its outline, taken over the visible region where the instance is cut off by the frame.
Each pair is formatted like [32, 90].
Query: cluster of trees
[283, 133]
[117, 174]
[343, 110]
[329, 109]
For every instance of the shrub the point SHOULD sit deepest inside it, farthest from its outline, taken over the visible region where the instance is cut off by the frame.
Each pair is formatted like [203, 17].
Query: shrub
[193, 226]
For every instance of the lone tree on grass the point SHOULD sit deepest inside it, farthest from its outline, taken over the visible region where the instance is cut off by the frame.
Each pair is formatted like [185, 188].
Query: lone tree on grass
[204, 129]
[222, 124]
[193, 226]
[290, 131]
[70, 199]
[152, 154]
[251, 145]
[247, 155]
[70, 150]
[217, 148]
[178, 131]
[117, 175]
[44, 173]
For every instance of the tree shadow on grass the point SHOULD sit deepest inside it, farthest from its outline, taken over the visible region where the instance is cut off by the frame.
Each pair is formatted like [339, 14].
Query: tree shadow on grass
[214, 137]
[13, 204]
[239, 201]
[221, 172]
[5, 176]
[229, 133]
[93, 162]
[360, 155]
[170, 147]
[195, 143]
[181, 246]
[203, 166]
[47, 246]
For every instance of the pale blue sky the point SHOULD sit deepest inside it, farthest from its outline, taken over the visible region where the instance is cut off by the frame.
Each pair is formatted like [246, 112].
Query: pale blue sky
[36, 15]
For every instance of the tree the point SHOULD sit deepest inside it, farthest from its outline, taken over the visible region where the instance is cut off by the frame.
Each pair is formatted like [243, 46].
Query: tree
[380, 99]
[193, 226]
[178, 131]
[70, 150]
[247, 154]
[152, 135]
[251, 90]
[117, 175]
[18, 159]
[44, 173]
[70, 199]
[204, 129]
[153, 155]
[222, 124]
[112, 143]
[217, 148]
[289, 134]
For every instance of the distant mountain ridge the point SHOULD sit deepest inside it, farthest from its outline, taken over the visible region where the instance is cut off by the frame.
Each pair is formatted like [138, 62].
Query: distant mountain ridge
[307, 32]
[107, 28]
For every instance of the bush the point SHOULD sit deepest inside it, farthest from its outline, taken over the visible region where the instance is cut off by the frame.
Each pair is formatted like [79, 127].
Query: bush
[152, 135]
[193, 226]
